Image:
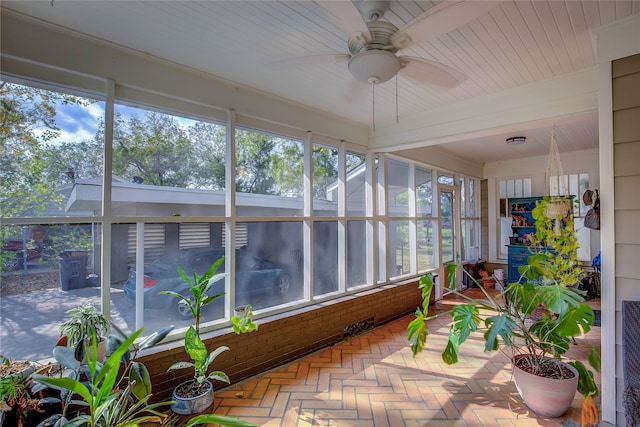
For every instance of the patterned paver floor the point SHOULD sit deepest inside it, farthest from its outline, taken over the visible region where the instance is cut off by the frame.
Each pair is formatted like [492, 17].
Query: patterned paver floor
[372, 379]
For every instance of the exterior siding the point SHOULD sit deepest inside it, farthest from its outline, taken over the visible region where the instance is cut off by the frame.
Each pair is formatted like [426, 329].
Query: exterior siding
[626, 150]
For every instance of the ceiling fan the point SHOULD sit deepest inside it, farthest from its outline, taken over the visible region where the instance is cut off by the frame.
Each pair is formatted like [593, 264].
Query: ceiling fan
[375, 44]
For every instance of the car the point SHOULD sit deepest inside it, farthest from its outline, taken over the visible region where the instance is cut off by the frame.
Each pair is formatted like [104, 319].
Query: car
[257, 280]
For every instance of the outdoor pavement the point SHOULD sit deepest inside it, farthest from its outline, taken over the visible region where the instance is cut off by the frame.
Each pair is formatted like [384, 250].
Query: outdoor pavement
[29, 322]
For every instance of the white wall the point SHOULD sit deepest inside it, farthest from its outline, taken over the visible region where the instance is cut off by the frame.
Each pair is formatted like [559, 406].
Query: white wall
[534, 168]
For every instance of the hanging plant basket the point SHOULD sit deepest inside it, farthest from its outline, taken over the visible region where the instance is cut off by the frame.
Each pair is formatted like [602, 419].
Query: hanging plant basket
[557, 207]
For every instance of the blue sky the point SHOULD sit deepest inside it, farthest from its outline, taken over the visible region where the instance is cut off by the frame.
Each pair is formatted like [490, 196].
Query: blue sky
[78, 123]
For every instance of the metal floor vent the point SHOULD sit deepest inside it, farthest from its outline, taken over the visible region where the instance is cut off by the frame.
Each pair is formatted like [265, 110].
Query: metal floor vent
[358, 327]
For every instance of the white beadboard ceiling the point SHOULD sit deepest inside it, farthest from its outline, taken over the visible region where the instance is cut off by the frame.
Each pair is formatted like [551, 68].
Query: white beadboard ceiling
[515, 43]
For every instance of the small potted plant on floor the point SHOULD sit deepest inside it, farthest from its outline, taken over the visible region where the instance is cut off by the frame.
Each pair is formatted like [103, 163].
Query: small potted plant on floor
[16, 401]
[196, 395]
[84, 322]
[536, 318]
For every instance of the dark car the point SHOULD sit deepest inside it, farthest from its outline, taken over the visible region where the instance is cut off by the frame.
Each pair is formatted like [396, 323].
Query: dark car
[256, 280]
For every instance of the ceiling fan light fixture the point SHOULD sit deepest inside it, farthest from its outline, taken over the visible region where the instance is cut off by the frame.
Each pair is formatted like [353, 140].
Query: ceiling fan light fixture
[516, 140]
[374, 66]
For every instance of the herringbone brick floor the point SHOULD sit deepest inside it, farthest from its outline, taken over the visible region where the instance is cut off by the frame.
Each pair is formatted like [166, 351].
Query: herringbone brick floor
[372, 380]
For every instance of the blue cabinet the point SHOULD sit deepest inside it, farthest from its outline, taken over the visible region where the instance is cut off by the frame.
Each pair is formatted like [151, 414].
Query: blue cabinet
[522, 225]
[518, 255]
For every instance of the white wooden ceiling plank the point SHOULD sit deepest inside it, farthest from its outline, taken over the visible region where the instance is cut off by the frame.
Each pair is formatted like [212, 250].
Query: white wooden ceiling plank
[308, 26]
[624, 8]
[548, 62]
[577, 15]
[459, 50]
[516, 32]
[565, 27]
[496, 41]
[528, 25]
[486, 71]
[569, 26]
[402, 12]
[554, 36]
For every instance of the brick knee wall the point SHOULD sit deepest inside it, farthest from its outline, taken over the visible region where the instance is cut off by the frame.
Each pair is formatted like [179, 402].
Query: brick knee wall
[285, 337]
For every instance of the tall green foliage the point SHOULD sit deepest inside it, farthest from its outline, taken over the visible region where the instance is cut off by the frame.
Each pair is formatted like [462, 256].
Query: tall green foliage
[507, 319]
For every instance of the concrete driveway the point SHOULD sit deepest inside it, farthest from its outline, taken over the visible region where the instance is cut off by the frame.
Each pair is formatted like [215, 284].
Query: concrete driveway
[29, 322]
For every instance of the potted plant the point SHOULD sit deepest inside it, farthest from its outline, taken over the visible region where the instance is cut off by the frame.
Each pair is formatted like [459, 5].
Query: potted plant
[113, 393]
[196, 395]
[243, 320]
[536, 318]
[84, 322]
[16, 401]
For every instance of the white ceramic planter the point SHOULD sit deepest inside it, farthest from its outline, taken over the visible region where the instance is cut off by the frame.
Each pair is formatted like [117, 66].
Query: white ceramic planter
[548, 397]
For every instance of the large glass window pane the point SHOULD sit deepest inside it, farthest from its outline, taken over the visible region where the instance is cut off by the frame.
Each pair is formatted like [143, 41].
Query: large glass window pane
[269, 267]
[194, 247]
[447, 226]
[165, 164]
[325, 180]
[325, 257]
[463, 198]
[398, 188]
[356, 255]
[424, 192]
[356, 184]
[51, 142]
[399, 254]
[473, 198]
[271, 166]
[381, 193]
[47, 269]
[425, 245]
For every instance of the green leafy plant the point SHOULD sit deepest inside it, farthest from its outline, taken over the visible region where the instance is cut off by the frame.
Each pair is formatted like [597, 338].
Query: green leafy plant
[84, 321]
[243, 320]
[114, 393]
[199, 286]
[15, 395]
[201, 359]
[536, 316]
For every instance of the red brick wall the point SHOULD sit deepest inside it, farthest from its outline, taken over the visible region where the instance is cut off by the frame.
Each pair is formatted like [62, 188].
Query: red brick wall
[285, 337]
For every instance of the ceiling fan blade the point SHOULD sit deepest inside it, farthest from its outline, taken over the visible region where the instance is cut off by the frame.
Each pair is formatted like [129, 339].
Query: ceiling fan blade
[440, 19]
[305, 60]
[431, 72]
[346, 16]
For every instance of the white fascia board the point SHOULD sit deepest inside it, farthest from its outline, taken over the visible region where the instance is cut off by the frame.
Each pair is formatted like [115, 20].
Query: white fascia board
[546, 101]
[88, 196]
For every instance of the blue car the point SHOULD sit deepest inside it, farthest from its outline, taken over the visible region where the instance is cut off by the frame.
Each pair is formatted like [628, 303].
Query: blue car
[256, 278]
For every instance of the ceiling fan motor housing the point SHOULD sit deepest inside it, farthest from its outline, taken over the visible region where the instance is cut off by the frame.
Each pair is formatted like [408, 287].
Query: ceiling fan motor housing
[374, 66]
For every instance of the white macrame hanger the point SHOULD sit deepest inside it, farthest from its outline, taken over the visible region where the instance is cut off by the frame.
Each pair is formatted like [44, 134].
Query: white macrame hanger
[556, 183]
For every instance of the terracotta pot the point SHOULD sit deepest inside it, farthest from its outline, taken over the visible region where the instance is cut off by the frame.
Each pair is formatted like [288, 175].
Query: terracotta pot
[191, 405]
[548, 397]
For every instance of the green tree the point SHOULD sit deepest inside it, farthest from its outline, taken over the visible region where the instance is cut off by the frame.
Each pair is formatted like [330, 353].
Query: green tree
[254, 162]
[209, 140]
[154, 147]
[27, 125]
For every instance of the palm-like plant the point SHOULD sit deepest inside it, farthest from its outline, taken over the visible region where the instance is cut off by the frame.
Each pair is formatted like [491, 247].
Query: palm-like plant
[545, 289]
[199, 288]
